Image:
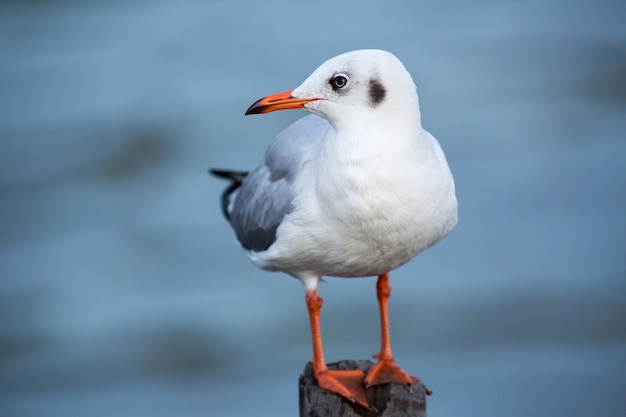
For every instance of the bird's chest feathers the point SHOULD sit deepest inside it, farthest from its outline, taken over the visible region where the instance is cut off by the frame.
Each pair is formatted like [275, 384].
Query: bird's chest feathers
[368, 208]
[368, 194]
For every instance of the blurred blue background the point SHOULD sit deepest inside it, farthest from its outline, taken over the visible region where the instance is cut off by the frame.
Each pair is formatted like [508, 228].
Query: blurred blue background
[123, 292]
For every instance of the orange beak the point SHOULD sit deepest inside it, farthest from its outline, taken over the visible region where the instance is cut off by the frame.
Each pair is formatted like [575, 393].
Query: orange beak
[278, 101]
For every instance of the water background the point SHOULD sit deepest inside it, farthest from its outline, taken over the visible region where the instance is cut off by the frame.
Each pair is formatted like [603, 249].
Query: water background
[123, 292]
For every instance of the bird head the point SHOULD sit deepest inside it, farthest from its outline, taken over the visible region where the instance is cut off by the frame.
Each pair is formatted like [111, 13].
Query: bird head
[355, 86]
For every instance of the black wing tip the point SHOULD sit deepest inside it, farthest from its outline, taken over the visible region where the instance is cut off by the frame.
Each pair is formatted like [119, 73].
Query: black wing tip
[237, 176]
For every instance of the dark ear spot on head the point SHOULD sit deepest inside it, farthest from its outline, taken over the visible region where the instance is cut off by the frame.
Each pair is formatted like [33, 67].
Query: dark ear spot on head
[377, 92]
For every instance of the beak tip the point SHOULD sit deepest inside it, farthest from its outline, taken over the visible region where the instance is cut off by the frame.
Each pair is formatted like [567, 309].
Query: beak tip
[255, 108]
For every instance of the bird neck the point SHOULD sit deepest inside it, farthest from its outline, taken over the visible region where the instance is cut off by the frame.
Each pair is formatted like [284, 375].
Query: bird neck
[373, 136]
[372, 151]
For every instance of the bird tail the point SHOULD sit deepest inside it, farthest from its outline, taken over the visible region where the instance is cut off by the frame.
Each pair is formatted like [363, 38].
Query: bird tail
[228, 196]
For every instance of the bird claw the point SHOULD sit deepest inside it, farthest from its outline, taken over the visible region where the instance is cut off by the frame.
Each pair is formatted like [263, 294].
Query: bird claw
[348, 384]
[387, 371]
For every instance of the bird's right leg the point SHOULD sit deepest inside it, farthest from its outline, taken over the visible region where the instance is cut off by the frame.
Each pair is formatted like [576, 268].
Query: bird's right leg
[386, 370]
[348, 384]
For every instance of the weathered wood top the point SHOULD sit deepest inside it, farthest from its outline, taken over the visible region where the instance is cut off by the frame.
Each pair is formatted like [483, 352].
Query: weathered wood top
[390, 400]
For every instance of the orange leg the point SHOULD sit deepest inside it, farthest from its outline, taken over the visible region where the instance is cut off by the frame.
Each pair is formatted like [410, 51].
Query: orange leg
[386, 370]
[348, 384]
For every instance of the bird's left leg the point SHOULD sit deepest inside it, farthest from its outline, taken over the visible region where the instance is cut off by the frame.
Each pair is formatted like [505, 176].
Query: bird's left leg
[348, 384]
[386, 370]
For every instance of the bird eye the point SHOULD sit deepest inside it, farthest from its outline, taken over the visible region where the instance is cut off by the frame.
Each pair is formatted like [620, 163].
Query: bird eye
[338, 81]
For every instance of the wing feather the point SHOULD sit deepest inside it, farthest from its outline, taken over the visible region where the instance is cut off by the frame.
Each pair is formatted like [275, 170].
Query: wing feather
[266, 194]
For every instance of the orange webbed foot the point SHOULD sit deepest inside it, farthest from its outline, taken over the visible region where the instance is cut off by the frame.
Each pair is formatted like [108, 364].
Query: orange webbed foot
[348, 384]
[386, 371]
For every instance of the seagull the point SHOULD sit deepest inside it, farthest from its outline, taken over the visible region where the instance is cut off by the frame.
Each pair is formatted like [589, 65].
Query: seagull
[356, 189]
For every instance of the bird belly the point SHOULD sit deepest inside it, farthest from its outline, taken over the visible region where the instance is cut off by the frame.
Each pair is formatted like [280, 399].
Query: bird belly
[363, 234]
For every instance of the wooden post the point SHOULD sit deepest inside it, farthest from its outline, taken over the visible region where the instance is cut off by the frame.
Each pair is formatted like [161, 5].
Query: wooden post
[390, 400]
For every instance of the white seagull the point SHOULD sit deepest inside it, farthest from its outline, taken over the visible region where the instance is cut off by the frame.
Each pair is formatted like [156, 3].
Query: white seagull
[356, 189]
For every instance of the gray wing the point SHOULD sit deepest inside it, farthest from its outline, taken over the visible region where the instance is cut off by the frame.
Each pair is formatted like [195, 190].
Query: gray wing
[265, 196]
